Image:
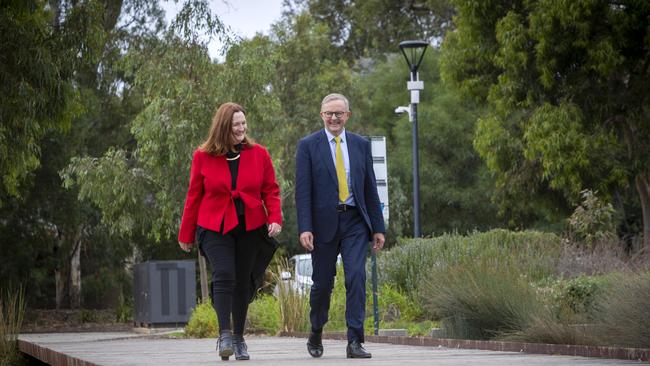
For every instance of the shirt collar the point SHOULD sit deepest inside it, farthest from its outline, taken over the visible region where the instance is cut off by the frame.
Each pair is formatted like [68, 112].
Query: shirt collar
[330, 137]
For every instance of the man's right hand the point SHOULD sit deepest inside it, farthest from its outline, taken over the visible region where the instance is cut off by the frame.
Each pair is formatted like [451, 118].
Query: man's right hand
[307, 240]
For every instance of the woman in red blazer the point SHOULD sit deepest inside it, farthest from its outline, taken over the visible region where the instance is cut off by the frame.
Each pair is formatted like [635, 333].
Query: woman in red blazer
[233, 201]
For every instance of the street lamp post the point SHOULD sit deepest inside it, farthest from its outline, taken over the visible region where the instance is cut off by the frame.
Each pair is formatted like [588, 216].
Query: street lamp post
[413, 52]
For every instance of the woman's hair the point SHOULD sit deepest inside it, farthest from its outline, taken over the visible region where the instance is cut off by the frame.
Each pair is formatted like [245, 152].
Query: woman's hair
[220, 139]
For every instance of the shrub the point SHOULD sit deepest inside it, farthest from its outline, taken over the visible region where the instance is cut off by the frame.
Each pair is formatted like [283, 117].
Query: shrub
[593, 220]
[264, 315]
[476, 300]
[578, 296]
[394, 305]
[532, 253]
[12, 311]
[623, 312]
[203, 322]
[124, 309]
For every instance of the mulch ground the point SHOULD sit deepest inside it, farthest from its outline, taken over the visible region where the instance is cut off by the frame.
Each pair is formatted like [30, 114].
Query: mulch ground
[55, 321]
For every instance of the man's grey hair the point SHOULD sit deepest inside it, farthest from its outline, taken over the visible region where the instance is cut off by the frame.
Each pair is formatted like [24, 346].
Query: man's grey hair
[335, 96]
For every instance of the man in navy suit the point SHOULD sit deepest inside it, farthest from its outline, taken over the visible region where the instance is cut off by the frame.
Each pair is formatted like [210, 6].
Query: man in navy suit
[338, 212]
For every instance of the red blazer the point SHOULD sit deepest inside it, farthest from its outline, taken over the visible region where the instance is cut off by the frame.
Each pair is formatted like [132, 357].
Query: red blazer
[209, 200]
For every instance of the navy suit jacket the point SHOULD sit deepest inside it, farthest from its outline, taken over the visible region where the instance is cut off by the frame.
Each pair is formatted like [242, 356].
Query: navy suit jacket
[317, 189]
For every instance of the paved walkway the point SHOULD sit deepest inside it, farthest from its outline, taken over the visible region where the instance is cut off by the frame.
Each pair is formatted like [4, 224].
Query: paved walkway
[87, 349]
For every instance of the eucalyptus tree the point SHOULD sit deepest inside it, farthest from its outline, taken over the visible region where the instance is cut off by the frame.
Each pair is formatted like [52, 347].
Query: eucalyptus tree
[373, 27]
[569, 88]
[36, 89]
[65, 96]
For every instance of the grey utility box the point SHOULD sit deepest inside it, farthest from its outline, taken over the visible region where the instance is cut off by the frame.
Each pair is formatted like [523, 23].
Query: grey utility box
[164, 292]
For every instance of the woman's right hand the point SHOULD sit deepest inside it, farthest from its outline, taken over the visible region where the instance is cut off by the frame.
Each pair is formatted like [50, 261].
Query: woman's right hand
[185, 246]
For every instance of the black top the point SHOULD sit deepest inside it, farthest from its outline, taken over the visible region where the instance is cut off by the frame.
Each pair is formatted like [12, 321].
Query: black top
[233, 164]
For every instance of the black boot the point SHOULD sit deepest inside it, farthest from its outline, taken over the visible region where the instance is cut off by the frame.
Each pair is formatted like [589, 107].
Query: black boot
[224, 344]
[315, 344]
[241, 350]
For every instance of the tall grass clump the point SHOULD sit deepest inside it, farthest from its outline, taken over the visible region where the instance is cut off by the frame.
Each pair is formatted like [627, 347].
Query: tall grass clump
[12, 311]
[624, 312]
[293, 305]
[476, 300]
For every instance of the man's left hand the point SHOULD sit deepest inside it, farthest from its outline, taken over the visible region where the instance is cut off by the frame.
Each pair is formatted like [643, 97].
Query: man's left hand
[378, 240]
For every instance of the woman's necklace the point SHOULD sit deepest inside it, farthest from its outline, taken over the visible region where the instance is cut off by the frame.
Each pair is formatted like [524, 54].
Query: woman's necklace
[230, 155]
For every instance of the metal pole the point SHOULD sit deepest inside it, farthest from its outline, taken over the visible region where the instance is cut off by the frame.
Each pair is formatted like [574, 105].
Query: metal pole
[416, 174]
[415, 86]
[375, 303]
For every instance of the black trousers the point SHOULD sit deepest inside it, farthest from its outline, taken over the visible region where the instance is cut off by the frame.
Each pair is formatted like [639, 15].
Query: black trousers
[231, 257]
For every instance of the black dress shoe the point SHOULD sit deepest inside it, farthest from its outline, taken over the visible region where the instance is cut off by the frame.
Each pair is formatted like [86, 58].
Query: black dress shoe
[315, 344]
[356, 350]
[224, 344]
[239, 345]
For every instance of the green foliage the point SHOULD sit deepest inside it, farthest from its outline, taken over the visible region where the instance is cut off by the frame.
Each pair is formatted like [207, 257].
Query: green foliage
[578, 296]
[624, 312]
[264, 315]
[562, 83]
[87, 316]
[12, 311]
[593, 220]
[36, 88]
[148, 183]
[203, 322]
[373, 27]
[396, 306]
[124, 309]
[533, 253]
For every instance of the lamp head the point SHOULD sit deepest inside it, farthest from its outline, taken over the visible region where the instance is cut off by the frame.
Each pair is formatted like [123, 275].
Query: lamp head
[415, 50]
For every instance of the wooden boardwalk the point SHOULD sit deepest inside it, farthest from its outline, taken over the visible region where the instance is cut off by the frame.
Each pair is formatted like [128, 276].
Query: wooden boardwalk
[128, 348]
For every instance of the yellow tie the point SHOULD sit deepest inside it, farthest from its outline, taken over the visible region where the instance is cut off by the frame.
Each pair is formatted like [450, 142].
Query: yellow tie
[340, 171]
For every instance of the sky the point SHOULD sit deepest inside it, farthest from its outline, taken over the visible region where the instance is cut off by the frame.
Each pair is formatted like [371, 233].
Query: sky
[244, 17]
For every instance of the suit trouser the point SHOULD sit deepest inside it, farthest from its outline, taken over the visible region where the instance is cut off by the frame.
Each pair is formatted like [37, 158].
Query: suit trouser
[351, 240]
[231, 257]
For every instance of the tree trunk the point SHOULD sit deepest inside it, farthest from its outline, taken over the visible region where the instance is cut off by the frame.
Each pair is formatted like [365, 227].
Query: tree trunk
[59, 283]
[75, 276]
[75, 268]
[203, 274]
[60, 275]
[643, 187]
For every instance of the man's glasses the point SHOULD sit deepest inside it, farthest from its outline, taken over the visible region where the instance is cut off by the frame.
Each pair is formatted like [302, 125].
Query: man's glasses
[337, 114]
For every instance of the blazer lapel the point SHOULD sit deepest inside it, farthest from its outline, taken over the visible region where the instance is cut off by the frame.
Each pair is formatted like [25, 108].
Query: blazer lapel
[326, 154]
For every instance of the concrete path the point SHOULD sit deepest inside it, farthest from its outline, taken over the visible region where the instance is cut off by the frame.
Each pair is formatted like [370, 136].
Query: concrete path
[113, 349]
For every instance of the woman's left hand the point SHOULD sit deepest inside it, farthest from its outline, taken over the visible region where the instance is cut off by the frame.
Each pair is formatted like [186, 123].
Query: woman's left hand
[274, 229]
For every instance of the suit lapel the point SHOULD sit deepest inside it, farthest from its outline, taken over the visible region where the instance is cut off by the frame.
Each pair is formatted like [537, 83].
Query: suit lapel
[326, 154]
